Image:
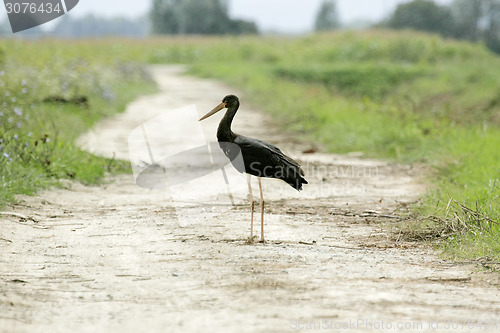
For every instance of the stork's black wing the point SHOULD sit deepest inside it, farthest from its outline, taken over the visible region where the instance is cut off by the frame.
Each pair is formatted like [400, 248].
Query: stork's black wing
[263, 159]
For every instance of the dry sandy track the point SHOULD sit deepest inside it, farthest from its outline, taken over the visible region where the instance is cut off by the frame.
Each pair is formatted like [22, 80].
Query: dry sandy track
[118, 258]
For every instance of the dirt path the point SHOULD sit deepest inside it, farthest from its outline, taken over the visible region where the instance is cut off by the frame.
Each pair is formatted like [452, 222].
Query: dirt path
[119, 258]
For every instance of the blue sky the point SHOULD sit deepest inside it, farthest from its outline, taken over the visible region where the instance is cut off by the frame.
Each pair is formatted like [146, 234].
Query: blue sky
[278, 15]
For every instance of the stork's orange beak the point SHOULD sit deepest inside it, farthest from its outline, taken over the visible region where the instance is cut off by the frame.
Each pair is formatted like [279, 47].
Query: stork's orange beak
[214, 111]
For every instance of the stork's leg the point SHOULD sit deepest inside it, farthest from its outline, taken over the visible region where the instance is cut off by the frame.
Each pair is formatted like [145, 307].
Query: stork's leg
[261, 212]
[252, 204]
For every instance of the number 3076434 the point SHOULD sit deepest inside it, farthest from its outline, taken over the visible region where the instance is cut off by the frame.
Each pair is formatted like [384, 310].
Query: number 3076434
[32, 8]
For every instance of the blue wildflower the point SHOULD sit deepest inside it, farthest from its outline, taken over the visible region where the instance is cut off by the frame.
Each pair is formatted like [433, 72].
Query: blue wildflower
[16, 137]
[18, 111]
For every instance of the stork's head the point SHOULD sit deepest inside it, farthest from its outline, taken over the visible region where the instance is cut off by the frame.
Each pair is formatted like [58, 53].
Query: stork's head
[230, 101]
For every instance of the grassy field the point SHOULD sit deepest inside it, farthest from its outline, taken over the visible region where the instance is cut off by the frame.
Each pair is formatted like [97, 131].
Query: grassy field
[51, 93]
[407, 97]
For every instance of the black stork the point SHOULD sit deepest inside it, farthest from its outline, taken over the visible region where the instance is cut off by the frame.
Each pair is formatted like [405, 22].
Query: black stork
[260, 159]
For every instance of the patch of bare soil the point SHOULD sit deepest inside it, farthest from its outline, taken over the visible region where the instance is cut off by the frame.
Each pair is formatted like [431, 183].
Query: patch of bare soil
[120, 258]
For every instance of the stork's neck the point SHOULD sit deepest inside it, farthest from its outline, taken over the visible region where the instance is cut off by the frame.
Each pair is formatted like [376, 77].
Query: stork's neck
[224, 133]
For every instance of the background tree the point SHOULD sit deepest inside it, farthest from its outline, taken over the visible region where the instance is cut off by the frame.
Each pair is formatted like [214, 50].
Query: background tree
[239, 27]
[327, 17]
[474, 20]
[207, 17]
[164, 16]
[492, 32]
[477, 20]
[424, 15]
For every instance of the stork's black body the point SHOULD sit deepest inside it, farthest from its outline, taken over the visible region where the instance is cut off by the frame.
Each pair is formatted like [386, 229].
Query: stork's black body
[260, 159]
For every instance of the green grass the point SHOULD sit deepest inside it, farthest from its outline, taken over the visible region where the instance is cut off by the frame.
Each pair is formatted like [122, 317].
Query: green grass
[356, 80]
[403, 96]
[408, 97]
[37, 136]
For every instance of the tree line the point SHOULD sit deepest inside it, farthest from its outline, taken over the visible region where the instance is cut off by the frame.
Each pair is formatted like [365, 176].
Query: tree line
[473, 20]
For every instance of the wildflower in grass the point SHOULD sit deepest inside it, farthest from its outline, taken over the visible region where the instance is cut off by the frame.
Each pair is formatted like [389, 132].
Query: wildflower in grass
[1, 147]
[7, 157]
[10, 120]
[16, 137]
[14, 99]
[18, 111]
[1, 114]
[23, 82]
[24, 90]
[30, 133]
[7, 93]
[19, 125]
[2, 73]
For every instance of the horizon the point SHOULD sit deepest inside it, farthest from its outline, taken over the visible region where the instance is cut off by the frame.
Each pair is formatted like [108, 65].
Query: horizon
[295, 17]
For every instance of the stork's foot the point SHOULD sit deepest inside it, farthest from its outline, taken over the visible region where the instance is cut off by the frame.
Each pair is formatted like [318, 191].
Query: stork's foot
[251, 240]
